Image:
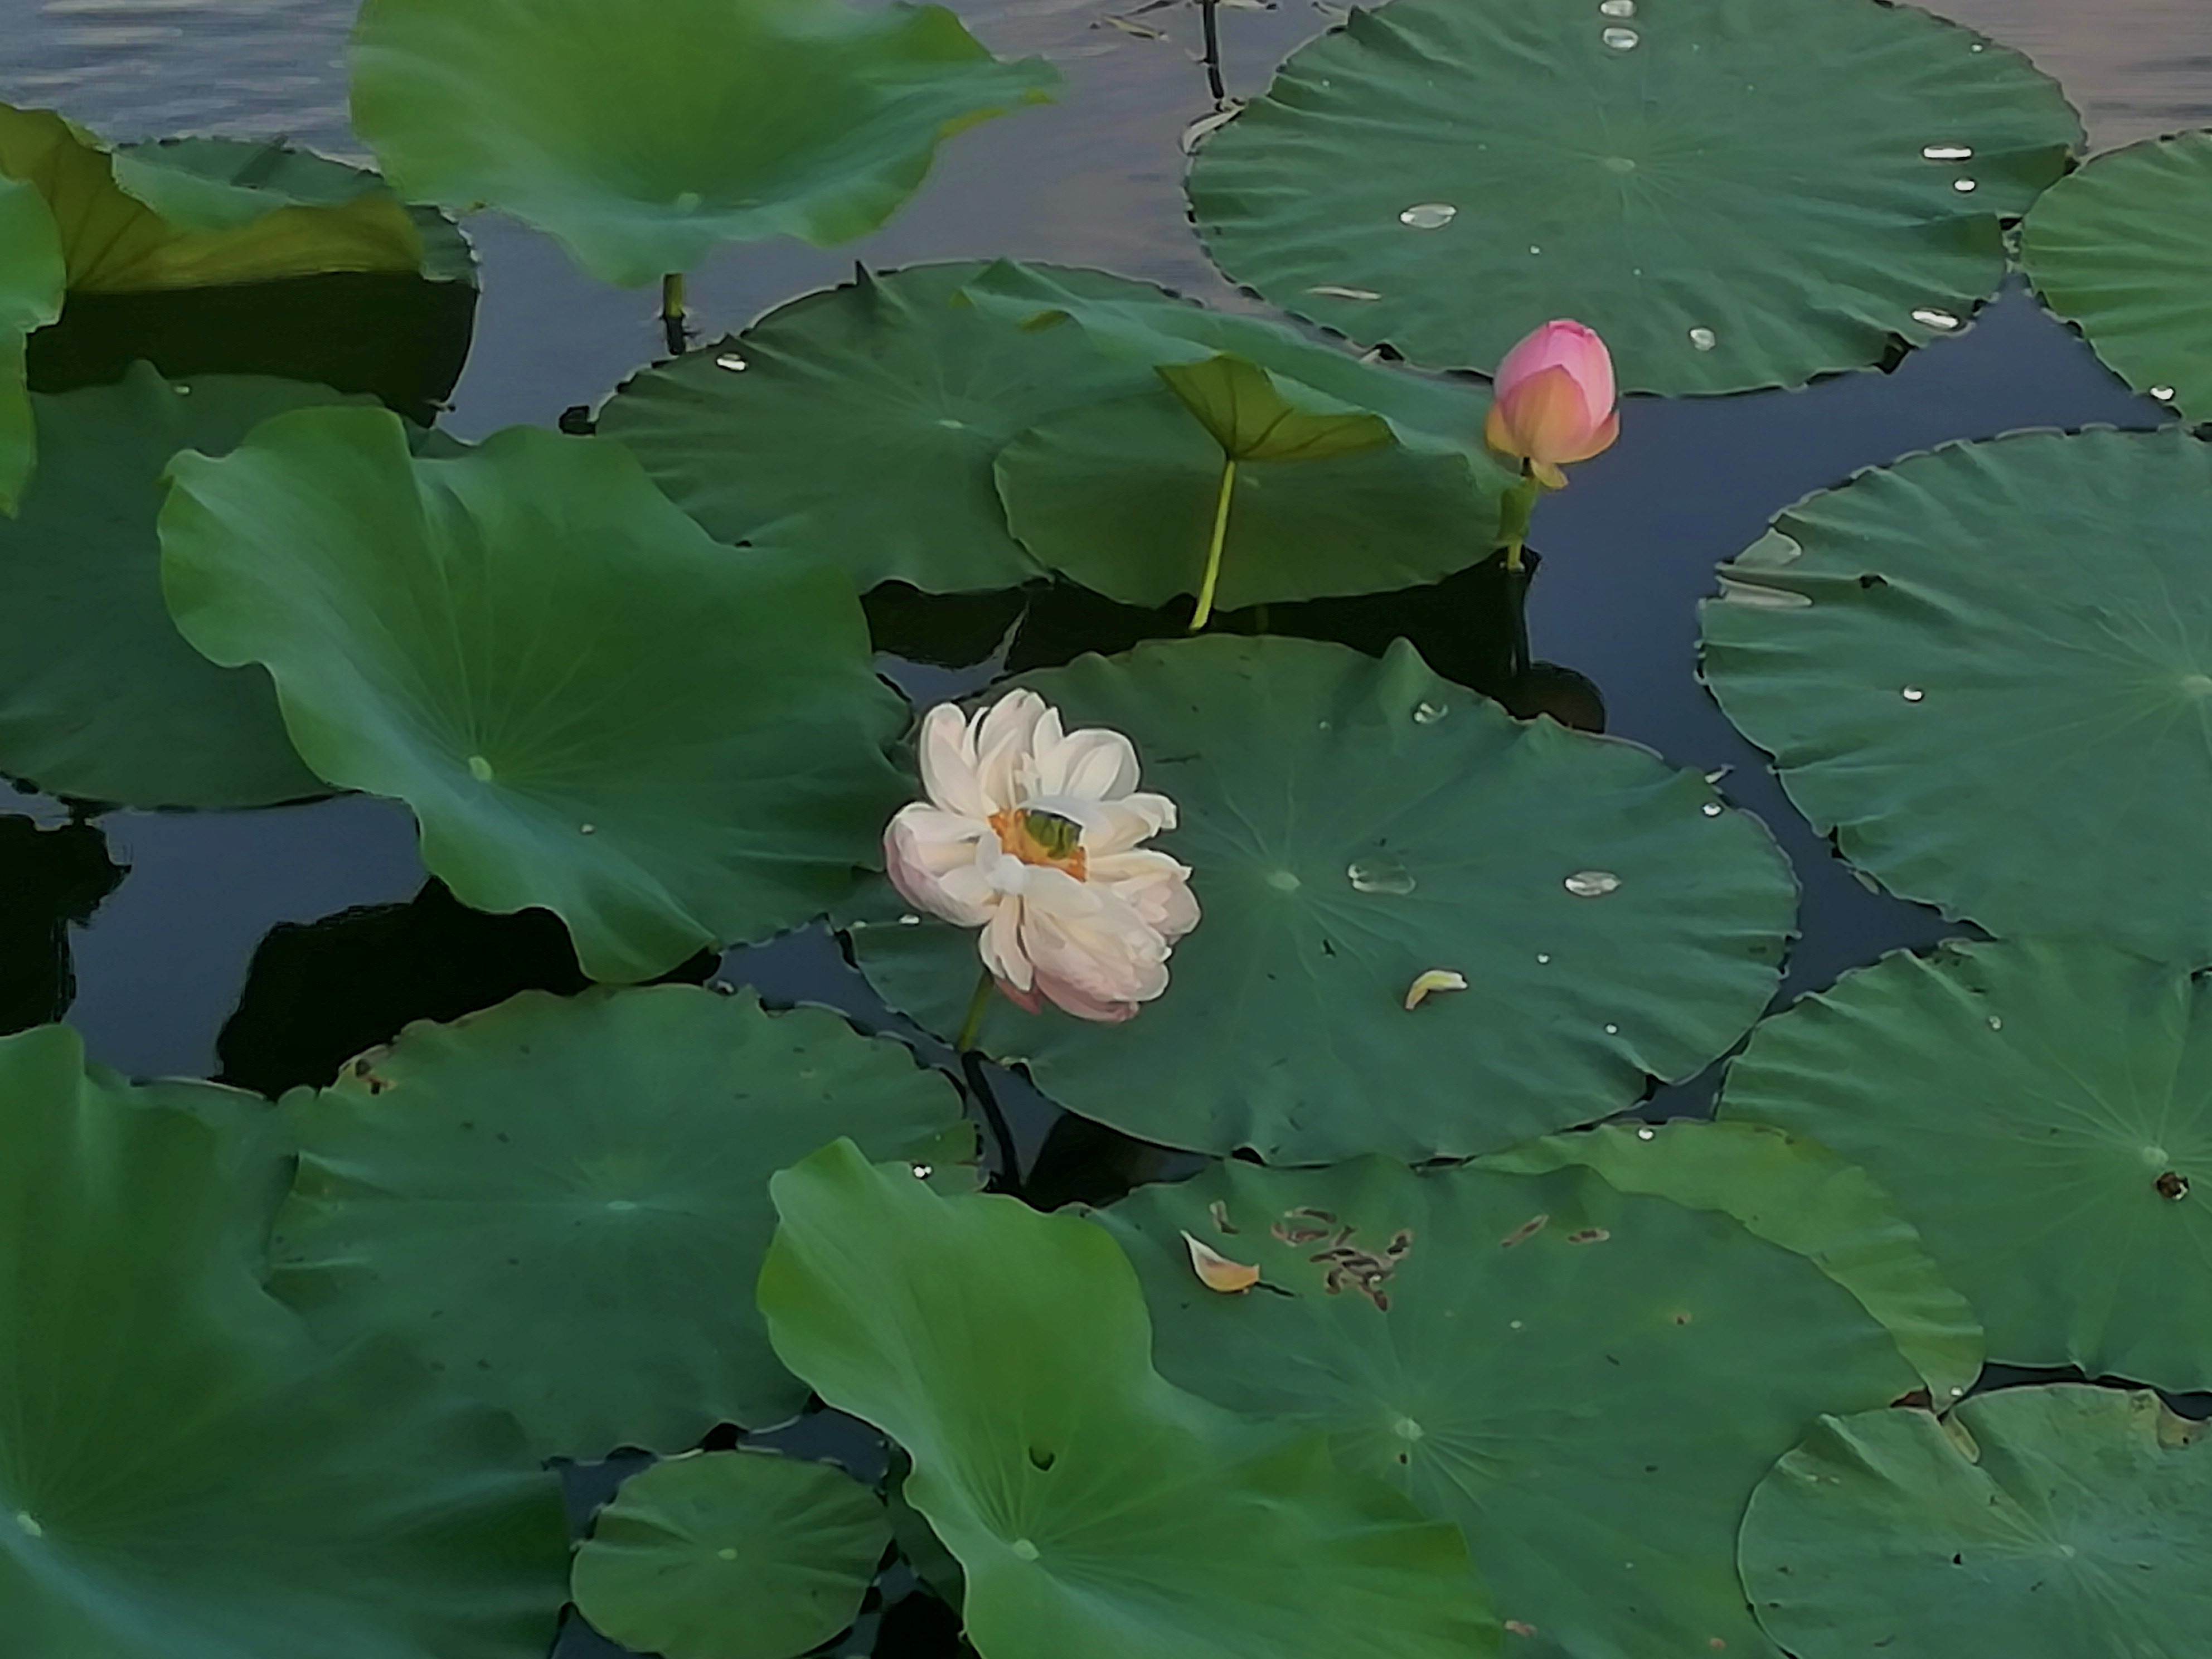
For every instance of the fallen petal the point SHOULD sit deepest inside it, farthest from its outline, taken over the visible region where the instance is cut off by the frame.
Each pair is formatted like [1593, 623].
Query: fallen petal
[1436, 979]
[1217, 1271]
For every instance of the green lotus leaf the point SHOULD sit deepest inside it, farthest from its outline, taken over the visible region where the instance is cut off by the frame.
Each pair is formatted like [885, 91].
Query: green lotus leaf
[33, 278]
[1096, 1511]
[1352, 824]
[1802, 1197]
[1532, 1357]
[1172, 336]
[2043, 1115]
[543, 1197]
[113, 241]
[1983, 668]
[2120, 249]
[592, 707]
[1733, 196]
[184, 1473]
[730, 1555]
[1121, 497]
[2078, 1524]
[101, 698]
[645, 133]
[861, 424]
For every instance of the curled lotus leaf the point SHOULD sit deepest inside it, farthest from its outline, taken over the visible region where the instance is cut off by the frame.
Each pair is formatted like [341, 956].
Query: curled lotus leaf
[1096, 1511]
[643, 134]
[185, 1473]
[590, 706]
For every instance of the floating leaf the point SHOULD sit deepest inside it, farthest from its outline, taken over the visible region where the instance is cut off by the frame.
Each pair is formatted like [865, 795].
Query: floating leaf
[113, 241]
[1097, 1511]
[1990, 668]
[1734, 197]
[861, 424]
[543, 1197]
[182, 1471]
[2120, 249]
[1350, 823]
[1802, 1197]
[645, 133]
[590, 706]
[1551, 1389]
[2082, 1527]
[730, 1555]
[101, 698]
[2023, 1104]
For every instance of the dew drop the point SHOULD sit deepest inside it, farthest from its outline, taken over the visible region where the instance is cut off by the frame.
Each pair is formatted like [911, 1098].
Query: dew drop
[727, 1552]
[950, 424]
[1429, 215]
[1284, 882]
[909, 921]
[1428, 714]
[730, 361]
[2163, 393]
[1949, 152]
[1612, 1031]
[1619, 164]
[1406, 1429]
[1646, 1134]
[1592, 884]
[1618, 8]
[1333, 291]
[1379, 874]
[587, 828]
[1996, 1024]
[923, 1171]
[1704, 338]
[1023, 1549]
[1964, 187]
[1622, 39]
[1543, 956]
[1533, 248]
[1912, 694]
[1713, 809]
[1513, 1325]
[1929, 317]
[29, 1523]
[480, 769]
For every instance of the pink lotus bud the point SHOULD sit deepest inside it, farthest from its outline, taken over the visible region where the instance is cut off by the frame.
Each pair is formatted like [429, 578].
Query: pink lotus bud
[1555, 397]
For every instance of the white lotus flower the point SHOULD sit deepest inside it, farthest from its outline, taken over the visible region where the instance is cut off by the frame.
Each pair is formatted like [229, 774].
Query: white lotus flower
[1033, 835]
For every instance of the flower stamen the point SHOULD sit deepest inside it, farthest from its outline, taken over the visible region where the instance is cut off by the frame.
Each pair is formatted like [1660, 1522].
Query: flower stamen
[1036, 836]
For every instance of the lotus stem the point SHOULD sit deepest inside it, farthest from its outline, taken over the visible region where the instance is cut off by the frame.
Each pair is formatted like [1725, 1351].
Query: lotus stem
[1204, 614]
[672, 313]
[978, 1004]
[1213, 81]
[1513, 513]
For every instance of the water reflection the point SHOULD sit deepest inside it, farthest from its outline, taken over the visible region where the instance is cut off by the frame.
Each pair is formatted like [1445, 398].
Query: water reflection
[51, 877]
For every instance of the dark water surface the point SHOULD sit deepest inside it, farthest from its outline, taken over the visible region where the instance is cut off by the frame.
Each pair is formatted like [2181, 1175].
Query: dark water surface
[161, 962]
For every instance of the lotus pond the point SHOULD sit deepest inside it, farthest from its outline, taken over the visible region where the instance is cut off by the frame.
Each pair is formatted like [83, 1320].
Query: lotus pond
[1647, 1096]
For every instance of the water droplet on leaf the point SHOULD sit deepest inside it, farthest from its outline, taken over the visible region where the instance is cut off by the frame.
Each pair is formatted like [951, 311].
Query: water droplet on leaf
[2163, 393]
[1593, 883]
[730, 361]
[1429, 215]
[1964, 187]
[1618, 8]
[1949, 152]
[1622, 39]
[1428, 714]
[1912, 694]
[1713, 809]
[480, 769]
[1704, 338]
[1929, 317]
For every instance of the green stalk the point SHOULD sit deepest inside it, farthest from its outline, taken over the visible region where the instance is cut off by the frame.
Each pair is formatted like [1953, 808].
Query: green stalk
[1513, 513]
[972, 1027]
[1201, 616]
[672, 312]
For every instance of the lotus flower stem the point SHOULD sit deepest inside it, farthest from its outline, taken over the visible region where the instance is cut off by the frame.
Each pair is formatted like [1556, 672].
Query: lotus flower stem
[1214, 84]
[1513, 513]
[672, 311]
[1201, 616]
[978, 1004]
